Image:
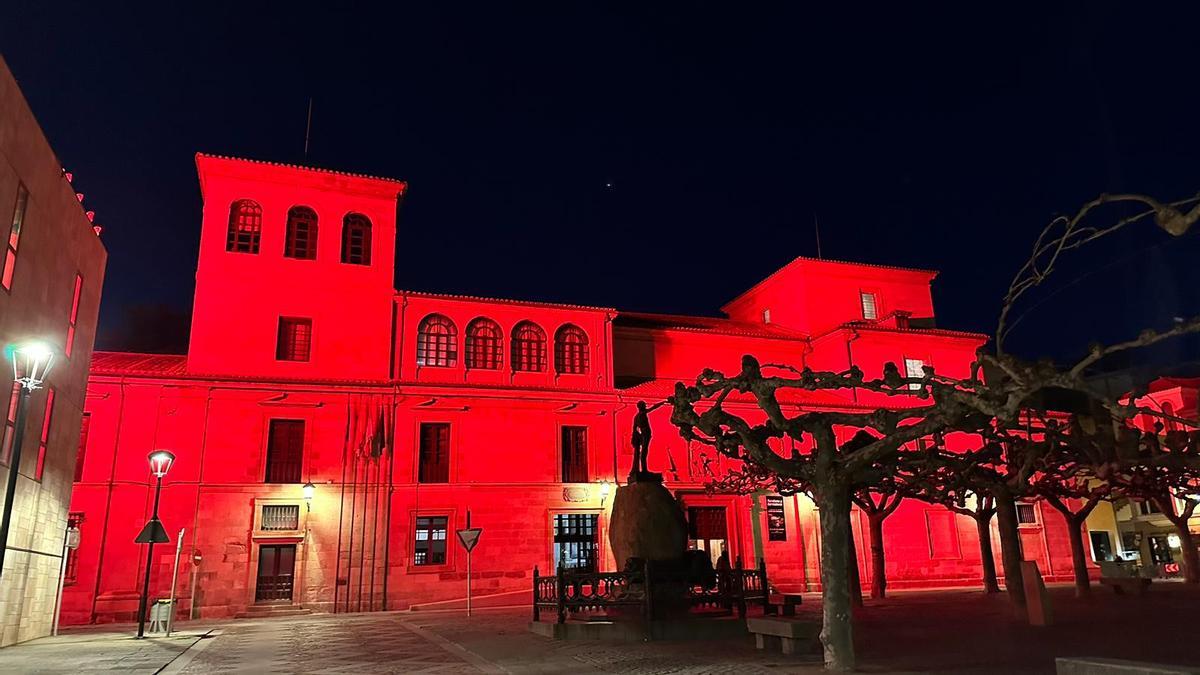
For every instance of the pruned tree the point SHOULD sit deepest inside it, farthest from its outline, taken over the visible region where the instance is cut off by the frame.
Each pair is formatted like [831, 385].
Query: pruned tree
[833, 470]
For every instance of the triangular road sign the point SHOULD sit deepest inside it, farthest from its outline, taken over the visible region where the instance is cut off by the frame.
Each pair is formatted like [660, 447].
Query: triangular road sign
[469, 537]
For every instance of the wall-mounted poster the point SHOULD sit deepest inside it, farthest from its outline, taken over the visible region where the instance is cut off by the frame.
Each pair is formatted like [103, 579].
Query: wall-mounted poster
[776, 524]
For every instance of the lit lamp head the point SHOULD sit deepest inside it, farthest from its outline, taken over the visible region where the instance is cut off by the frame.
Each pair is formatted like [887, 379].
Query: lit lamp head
[160, 462]
[31, 362]
[605, 491]
[309, 490]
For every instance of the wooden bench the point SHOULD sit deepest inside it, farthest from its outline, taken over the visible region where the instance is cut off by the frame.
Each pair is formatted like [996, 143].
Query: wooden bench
[786, 602]
[795, 636]
[1137, 585]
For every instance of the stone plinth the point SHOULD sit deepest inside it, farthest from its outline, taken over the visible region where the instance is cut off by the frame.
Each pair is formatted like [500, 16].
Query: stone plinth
[646, 523]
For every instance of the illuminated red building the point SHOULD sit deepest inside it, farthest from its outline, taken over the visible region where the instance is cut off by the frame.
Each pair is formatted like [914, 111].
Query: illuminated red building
[406, 409]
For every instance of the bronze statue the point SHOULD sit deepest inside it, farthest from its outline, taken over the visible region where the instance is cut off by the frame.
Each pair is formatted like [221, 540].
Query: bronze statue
[641, 436]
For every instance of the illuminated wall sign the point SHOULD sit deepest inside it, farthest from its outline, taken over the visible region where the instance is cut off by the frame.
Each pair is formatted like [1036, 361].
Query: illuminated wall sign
[776, 524]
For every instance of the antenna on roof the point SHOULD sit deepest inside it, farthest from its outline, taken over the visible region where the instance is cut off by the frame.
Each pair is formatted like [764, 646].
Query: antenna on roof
[817, 231]
[308, 128]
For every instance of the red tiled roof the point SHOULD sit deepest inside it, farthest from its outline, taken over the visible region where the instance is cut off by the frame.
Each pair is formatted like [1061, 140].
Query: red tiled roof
[706, 324]
[348, 174]
[131, 363]
[656, 390]
[505, 301]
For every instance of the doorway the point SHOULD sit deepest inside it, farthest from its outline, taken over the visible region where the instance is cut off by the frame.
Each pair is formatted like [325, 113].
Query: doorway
[707, 530]
[276, 569]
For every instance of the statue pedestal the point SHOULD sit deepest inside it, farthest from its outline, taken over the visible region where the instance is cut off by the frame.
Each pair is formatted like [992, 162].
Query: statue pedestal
[648, 526]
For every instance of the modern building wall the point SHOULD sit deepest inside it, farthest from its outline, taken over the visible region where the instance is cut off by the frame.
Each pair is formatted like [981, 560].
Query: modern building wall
[368, 397]
[55, 245]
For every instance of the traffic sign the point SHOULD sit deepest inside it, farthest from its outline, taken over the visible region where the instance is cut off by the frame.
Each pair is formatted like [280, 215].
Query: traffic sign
[468, 537]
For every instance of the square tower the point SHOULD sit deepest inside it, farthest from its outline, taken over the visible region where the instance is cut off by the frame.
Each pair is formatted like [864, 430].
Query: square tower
[295, 276]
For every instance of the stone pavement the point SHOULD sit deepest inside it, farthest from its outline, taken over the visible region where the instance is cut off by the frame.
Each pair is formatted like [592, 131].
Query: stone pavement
[94, 649]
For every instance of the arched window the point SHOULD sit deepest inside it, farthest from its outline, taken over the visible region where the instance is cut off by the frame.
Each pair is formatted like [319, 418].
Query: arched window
[301, 241]
[528, 347]
[484, 344]
[437, 342]
[356, 239]
[571, 350]
[245, 226]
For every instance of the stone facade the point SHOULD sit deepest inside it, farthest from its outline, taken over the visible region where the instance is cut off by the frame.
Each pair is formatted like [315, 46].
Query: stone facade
[56, 245]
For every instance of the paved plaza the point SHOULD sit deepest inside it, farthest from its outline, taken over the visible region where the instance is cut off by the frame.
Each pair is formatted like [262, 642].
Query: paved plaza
[917, 632]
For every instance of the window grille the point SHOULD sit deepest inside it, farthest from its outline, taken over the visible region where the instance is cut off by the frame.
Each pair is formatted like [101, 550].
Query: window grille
[574, 455]
[245, 227]
[429, 547]
[280, 517]
[295, 339]
[285, 451]
[1026, 514]
[301, 240]
[437, 342]
[571, 350]
[484, 345]
[356, 239]
[528, 348]
[870, 308]
[576, 541]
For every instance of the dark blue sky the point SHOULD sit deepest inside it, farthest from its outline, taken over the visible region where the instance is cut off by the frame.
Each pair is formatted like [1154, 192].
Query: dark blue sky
[942, 137]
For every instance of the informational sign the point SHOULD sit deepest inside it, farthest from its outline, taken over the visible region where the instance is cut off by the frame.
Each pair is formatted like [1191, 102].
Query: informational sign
[776, 523]
[468, 537]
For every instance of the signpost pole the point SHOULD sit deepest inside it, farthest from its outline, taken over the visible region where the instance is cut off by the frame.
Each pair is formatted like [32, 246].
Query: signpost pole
[468, 567]
[174, 580]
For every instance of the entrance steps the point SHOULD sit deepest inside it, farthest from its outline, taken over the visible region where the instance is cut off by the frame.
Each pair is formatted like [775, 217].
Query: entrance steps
[272, 611]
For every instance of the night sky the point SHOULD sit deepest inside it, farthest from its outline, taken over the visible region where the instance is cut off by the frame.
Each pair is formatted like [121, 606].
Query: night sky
[659, 159]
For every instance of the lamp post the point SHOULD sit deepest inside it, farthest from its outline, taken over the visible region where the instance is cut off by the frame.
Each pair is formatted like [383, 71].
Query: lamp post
[308, 490]
[31, 362]
[153, 532]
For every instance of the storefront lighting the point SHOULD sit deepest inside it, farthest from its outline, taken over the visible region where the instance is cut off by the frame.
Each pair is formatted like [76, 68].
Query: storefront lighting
[1173, 541]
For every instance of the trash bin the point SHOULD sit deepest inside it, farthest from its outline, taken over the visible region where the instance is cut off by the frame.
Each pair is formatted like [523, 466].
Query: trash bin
[160, 616]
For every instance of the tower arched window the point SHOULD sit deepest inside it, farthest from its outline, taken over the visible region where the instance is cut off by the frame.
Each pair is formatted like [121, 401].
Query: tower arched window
[528, 347]
[356, 239]
[245, 226]
[484, 344]
[437, 342]
[570, 350]
[301, 240]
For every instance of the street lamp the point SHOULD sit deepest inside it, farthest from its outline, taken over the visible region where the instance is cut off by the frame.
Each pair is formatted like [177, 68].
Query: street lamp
[154, 532]
[309, 489]
[605, 489]
[31, 361]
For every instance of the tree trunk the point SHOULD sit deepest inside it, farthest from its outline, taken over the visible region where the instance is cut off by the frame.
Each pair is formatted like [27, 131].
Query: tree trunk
[1083, 586]
[983, 523]
[878, 571]
[853, 575]
[1010, 546]
[1191, 557]
[837, 630]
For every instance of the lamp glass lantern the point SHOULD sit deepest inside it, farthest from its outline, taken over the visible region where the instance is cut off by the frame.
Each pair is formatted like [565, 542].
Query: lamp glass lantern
[31, 362]
[160, 462]
[308, 490]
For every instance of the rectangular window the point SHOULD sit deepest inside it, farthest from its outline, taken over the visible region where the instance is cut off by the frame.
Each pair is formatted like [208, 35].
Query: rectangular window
[44, 439]
[285, 451]
[870, 309]
[73, 317]
[84, 426]
[295, 339]
[574, 455]
[429, 547]
[1147, 507]
[1026, 514]
[434, 457]
[14, 236]
[914, 368]
[74, 522]
[576, 541]
[1101, 546]
[280, 517]
[10, 424]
